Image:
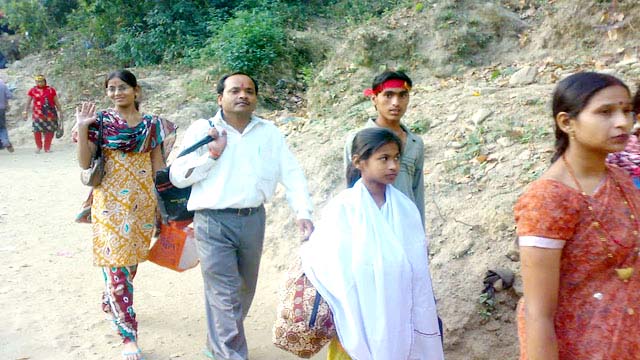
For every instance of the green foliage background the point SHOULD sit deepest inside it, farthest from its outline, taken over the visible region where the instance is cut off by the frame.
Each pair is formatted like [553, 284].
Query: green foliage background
[233, 35]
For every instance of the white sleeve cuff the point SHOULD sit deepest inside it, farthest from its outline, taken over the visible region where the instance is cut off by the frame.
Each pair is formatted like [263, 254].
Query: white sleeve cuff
[541, 242]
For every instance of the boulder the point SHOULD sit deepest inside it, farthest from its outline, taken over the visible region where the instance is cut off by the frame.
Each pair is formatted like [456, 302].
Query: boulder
[526, 75]
[481, 115]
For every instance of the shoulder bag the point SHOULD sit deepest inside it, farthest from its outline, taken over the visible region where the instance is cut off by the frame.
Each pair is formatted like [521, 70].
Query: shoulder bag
[60, 130]
[94, 174]
[172, 201]
[304, 322]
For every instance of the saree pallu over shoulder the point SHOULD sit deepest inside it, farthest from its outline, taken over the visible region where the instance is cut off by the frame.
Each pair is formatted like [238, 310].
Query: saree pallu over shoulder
[152, 131]
[371, 266]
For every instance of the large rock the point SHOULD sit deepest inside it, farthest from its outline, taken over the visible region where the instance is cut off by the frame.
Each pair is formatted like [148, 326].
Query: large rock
[526, 75]
[481, 115]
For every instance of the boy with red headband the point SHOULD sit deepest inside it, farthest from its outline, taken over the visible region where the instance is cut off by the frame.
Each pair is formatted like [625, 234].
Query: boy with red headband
[390, 96]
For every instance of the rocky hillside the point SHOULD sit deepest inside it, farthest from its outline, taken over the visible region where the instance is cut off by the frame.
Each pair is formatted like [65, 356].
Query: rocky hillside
[484, 72]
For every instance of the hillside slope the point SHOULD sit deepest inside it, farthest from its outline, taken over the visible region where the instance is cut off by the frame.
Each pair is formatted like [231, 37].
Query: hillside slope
[486, 127]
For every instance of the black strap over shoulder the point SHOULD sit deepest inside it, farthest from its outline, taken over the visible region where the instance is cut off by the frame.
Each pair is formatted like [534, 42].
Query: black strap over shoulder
[99, 147]
[172, 200]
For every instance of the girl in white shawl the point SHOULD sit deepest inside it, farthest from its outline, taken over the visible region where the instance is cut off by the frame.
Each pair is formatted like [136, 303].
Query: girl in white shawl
[368, 259]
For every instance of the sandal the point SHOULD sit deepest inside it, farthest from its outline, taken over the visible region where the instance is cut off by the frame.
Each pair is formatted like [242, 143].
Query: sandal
[138, 353]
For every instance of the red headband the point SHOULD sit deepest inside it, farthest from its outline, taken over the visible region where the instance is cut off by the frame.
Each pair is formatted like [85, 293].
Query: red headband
[389, 84]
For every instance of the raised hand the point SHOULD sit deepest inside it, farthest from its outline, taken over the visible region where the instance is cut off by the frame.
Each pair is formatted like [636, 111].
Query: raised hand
[86, 114]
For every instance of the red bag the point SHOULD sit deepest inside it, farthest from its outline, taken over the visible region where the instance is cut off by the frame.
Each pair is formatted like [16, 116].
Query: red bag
[175, 247]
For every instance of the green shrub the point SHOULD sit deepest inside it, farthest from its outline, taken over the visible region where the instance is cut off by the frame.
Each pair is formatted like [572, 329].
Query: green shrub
[31, 19]
[358, 11]
[60, 9]
[470, 42]
[250, 42]
[145, 32]
[98, 22]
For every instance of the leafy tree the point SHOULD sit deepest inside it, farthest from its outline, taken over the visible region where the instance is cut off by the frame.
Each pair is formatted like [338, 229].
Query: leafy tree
[59, 9]
[99, 22]
[166, 33]
[250, 42]
[244, 35]
[30, 18]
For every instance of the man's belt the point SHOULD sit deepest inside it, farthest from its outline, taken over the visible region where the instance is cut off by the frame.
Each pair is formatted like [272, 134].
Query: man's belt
[239, 212]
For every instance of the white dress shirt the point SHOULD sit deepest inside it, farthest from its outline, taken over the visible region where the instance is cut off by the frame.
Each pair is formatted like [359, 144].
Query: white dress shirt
[247, 172]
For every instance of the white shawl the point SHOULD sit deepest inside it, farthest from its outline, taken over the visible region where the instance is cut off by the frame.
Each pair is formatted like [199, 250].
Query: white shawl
[370, 264]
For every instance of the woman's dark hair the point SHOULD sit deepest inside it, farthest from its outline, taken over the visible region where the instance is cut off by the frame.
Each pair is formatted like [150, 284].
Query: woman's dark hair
[636, 102]
[126, 76]
[220, 86]
[572, 95]
[364, 144]
[391, 75]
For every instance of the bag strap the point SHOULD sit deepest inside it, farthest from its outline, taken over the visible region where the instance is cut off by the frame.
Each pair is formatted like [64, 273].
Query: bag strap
[99, 148]
[205, 140]
[314, 311]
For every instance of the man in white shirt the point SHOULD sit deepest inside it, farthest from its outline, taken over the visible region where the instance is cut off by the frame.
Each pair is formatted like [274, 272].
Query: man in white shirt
[232, 177]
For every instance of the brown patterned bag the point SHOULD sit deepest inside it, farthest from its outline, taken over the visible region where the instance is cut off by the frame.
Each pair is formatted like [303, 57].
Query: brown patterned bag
[304, 322]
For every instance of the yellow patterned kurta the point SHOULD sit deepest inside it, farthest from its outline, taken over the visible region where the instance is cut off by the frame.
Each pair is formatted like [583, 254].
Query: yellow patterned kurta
[123, 210]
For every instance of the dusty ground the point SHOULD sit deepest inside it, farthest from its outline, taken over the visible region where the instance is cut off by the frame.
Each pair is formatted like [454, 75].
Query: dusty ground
[475, 167]
[51, 293]
[474, 171]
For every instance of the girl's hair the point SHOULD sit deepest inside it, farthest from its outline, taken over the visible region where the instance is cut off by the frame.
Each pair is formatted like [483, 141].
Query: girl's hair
[572, 95]
[365, 143]
[126, 76]
[636, 102]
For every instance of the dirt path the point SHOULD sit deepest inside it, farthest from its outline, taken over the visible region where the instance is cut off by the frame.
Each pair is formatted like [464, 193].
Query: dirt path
[50, 295]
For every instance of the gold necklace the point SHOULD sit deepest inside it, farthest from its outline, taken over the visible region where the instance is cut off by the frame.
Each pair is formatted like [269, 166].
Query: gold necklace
[623, 273]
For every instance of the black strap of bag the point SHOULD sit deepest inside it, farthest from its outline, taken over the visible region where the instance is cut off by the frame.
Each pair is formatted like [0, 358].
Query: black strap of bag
[99, 147]
[172, 201]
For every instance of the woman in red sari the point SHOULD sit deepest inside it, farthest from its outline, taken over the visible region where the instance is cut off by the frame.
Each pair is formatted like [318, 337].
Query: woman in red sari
[579, 232]
[46, 112]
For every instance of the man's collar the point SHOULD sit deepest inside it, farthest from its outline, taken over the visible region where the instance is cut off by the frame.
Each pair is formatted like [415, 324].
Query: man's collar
[372, 123]
[219, 118]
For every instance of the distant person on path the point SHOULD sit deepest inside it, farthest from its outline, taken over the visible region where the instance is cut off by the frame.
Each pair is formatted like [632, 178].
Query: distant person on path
[390, 94]
[578, 229]
[629, 159]
[123, 213]
[232, 178]
[5, 95]
[368, 259]
[45, 113]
